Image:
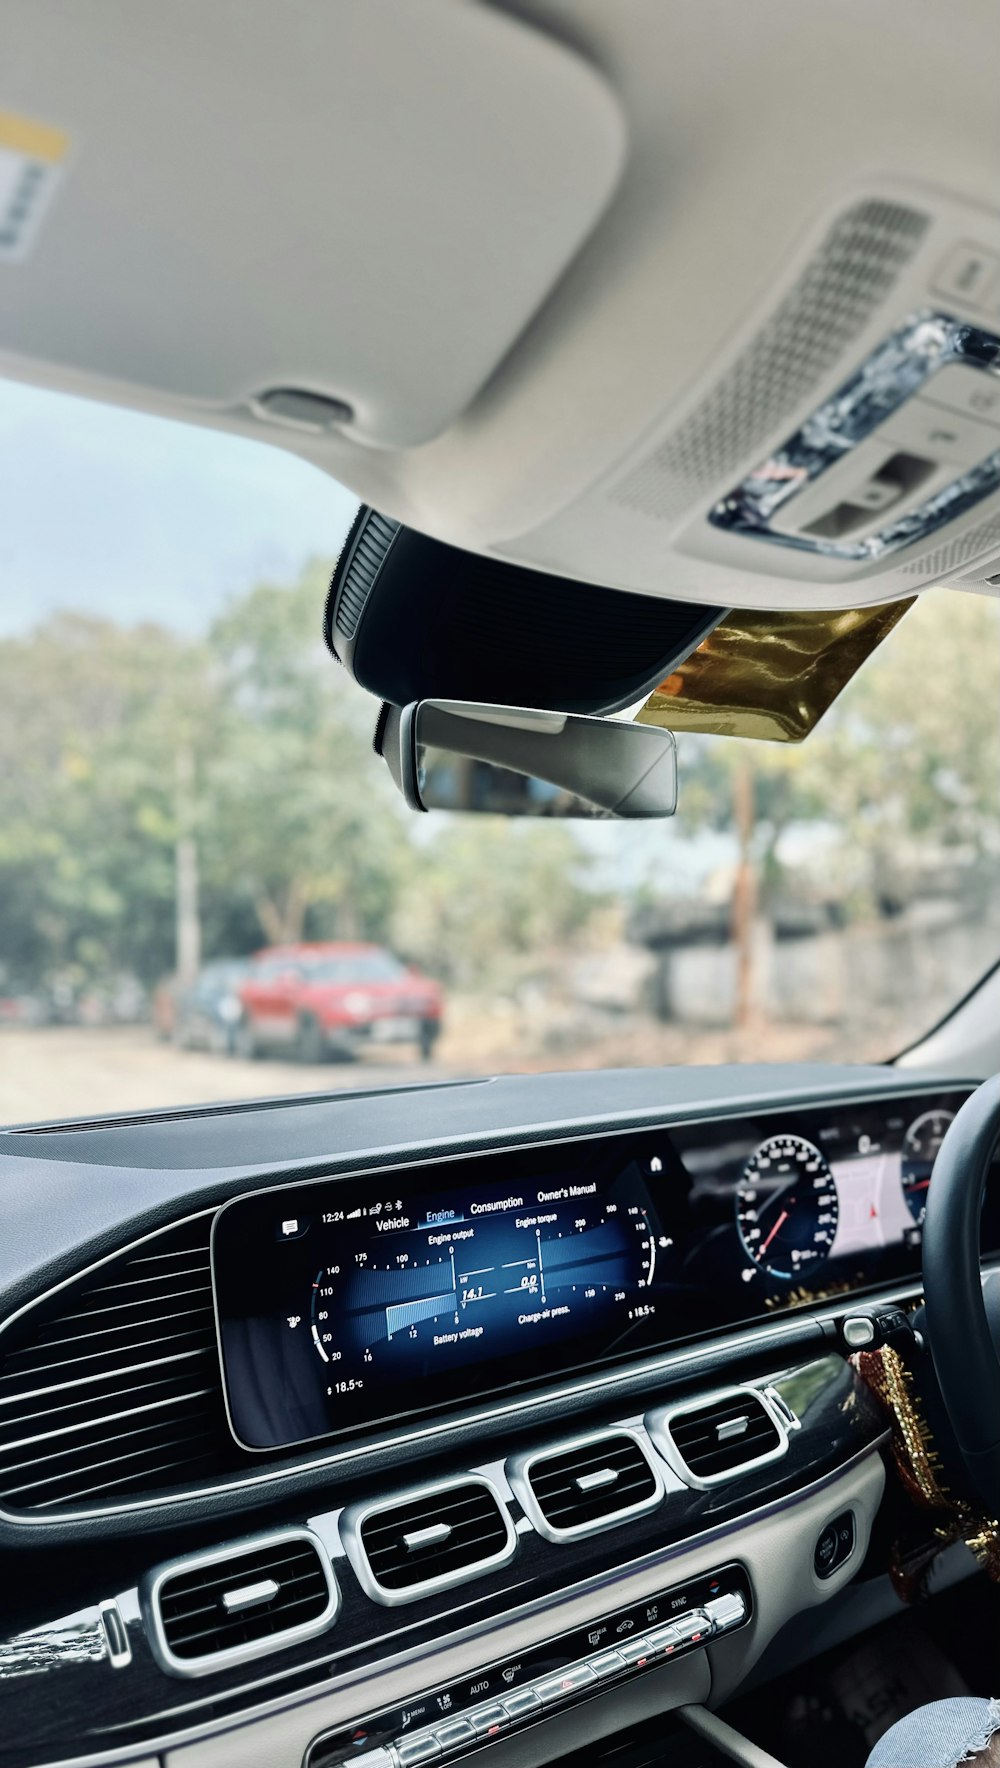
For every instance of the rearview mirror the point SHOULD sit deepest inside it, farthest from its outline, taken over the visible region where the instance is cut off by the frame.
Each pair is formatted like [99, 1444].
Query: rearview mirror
[514, 761]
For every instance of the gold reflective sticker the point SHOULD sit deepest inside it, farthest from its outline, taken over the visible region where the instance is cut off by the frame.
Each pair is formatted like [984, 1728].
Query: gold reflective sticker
[769, 675]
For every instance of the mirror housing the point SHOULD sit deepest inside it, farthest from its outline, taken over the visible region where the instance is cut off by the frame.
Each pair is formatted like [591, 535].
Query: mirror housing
[520, 761]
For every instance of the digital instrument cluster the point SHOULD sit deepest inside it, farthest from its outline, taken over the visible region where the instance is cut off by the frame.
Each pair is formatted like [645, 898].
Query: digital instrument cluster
[340, 1302]
[348, 1302]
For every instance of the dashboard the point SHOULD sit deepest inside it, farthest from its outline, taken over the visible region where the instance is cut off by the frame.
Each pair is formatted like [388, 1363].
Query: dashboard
[345, 1303]
[526, 1403]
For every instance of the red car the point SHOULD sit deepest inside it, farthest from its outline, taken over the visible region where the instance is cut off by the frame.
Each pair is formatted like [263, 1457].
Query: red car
[333, 999]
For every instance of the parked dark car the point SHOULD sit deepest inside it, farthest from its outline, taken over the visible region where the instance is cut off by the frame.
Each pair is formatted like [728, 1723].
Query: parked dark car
[207, 1014]
[333, 1000]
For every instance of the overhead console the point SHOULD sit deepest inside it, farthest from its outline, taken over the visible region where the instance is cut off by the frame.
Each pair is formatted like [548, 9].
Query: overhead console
[908, 444]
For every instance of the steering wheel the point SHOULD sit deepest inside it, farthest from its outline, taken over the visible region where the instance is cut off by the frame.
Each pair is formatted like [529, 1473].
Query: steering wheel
[964, 1341]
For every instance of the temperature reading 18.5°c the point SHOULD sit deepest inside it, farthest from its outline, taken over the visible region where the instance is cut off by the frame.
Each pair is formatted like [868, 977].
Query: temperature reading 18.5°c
[486, 1274]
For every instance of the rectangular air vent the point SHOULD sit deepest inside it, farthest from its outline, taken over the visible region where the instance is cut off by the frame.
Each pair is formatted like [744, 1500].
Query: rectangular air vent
[728, 1434]
[589, 1484]
[375, 535]
[217, 1608]
[434, 1537]
[109, 1387]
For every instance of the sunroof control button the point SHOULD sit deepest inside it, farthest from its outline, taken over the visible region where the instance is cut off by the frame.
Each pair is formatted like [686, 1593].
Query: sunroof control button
[974, 392]
[939, 432]
[967, 274]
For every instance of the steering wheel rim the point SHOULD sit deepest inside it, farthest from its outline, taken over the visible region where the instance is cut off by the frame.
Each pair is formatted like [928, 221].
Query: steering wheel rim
[961, 1344]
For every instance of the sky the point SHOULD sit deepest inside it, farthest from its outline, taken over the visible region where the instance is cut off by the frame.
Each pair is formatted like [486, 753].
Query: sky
[131, 517]
[116, 513]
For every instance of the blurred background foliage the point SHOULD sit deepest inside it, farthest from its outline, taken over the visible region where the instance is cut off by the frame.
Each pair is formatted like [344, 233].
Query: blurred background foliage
[251, 749]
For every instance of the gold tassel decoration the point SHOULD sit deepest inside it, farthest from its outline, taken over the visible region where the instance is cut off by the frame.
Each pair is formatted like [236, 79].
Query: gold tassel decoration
[919, 1468]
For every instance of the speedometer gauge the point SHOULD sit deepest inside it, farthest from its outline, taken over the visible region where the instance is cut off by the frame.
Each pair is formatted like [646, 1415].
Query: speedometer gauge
[920, 1150]
[787, 1206]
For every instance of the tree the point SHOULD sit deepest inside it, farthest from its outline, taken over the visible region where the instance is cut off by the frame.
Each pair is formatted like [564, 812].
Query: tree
[294, 829]
[297, 818]
[905, 763]
[88, 715]
[486, 898]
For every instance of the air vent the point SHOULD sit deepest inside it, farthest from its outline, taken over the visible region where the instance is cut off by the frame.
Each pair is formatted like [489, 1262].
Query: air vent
[728, 1434]
[590, 1484]
[833, 299]
[111, 1387]
[217, 1608]
[435, 1537]
[952, 555]
[366, 546]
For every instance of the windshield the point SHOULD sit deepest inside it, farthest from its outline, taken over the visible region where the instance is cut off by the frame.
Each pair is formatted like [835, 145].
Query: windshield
[364, 967]
[187, 780]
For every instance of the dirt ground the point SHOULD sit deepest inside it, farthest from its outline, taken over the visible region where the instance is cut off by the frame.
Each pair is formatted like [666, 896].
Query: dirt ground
[67, 1072]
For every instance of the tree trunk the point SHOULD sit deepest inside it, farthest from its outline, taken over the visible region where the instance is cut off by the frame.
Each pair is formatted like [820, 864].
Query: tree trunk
[187, 913]
[744, 892]
[284, 922]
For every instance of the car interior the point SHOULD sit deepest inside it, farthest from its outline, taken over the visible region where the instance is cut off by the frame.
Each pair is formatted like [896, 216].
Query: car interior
[619, 1415]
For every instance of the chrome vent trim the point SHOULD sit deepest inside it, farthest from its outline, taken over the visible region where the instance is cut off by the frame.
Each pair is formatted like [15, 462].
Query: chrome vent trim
[725, 1421]
[421, 1513]
[283, 1573]
[114, 1387]
[614, 1464]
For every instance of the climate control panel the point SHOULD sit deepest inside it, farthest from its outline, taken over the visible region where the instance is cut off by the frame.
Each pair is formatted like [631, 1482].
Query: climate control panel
[449, 1721]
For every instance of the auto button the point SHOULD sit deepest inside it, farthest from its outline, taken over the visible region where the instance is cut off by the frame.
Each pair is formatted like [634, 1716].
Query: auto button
[486, 1721]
